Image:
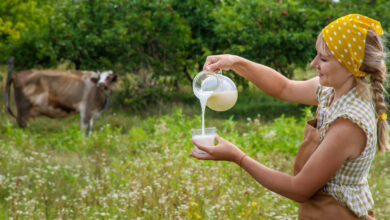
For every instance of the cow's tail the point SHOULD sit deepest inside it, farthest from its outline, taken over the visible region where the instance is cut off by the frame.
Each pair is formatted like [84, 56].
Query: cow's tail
[8, 85]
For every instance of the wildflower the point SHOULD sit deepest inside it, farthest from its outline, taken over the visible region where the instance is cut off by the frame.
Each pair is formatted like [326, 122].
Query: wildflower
[193, 203]
[253, 204]
[198, 216]
[242, 214]
[270, 134]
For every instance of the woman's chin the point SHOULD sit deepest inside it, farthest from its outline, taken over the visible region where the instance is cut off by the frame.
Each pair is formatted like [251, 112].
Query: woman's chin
[323, 83]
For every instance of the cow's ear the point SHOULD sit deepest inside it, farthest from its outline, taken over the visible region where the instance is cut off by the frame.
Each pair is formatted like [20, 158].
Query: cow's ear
[95, 79]
[114, 78]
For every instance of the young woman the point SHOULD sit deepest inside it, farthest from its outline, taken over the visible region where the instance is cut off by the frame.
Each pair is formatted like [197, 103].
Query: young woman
[332, 164]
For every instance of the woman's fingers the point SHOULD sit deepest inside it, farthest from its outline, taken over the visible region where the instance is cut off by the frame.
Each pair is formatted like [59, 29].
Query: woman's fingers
[214, 67]
[209, 60]
[201, 147]
[212, 63]
[219, 139]
[204, 156]
[224, 150]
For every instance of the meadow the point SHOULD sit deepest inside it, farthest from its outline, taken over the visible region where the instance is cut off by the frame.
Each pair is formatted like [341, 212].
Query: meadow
[137, 166]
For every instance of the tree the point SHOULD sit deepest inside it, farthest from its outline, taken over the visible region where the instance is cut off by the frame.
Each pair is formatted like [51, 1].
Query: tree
[18, 17]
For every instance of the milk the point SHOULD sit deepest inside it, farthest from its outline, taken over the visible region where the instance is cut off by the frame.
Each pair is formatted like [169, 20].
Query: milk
[222, 101]
[206, 140]
[203, 96]
[218, 93]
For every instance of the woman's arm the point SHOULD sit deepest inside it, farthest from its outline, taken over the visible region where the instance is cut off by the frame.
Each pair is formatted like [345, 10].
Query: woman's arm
[266, 79]
[344, 140]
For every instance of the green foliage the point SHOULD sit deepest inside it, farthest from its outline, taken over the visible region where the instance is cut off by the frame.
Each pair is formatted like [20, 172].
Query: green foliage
[50, 172]
[280, 34]
[128, 35]
[140, 91]
[20, 19]
[22, 15]
[170, 39]
[200, 19]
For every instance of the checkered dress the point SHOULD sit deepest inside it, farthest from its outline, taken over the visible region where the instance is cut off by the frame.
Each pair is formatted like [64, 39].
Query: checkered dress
[349, 185]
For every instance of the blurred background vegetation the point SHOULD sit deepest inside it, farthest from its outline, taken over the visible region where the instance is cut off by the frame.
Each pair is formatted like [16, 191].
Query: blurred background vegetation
[158, 46]
[135, 164]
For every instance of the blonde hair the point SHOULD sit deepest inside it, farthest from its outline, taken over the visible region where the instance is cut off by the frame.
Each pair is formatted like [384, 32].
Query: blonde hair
[375, 66]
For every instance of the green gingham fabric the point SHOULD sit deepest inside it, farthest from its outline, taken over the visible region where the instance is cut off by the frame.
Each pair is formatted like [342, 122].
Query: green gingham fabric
[349, 185]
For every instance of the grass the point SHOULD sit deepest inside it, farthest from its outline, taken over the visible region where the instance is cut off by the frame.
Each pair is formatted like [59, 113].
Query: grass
[141, 172]
[136, 166]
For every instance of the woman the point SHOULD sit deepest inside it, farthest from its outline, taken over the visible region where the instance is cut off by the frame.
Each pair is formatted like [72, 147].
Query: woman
[350, 121]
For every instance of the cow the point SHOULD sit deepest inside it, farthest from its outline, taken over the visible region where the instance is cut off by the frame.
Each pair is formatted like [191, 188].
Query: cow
[59, 93]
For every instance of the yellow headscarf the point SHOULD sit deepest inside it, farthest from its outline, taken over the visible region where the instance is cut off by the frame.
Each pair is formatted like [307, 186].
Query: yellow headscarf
[346, 40]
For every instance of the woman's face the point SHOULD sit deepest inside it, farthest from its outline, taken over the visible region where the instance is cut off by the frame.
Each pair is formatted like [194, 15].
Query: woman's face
[330, 71]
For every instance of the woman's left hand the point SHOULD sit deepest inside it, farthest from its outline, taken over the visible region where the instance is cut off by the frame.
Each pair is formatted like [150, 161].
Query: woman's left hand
[223, 151]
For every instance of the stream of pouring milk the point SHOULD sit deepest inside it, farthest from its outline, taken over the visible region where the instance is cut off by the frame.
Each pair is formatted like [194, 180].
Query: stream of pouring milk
[203, 96]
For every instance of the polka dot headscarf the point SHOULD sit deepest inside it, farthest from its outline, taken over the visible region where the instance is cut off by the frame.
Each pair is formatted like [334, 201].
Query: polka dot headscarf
[346, 40]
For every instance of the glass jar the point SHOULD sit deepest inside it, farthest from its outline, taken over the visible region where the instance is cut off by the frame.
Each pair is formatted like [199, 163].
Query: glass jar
[219, 90]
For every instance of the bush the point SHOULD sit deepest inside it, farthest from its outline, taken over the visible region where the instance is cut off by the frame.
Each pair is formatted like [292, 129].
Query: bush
[170, 38]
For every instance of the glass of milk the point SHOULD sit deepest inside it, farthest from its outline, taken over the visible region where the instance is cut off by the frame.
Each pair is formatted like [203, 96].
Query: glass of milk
[204, 136]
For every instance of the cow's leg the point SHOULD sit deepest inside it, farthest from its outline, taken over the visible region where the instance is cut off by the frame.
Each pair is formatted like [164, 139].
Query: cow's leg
[86, 121]
[89, 127]
[23, 106]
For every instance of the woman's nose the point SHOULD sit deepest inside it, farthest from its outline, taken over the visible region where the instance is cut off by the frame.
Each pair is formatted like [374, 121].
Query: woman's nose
[314, 63]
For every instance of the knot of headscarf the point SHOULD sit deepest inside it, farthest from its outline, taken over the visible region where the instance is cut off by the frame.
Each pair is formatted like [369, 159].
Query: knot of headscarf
[346, 40]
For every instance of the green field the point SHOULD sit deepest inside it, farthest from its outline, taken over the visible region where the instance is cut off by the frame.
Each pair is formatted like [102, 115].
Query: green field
[137, 167]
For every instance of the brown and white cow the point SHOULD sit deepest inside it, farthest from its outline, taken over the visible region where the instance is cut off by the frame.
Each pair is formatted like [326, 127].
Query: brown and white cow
[58, 93]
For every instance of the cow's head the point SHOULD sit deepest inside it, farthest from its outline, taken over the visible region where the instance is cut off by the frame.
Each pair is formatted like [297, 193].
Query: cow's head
[105, 80]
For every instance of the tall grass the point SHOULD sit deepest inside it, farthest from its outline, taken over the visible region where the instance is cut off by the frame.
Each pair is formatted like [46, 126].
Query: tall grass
[136, 165]
[143, 171]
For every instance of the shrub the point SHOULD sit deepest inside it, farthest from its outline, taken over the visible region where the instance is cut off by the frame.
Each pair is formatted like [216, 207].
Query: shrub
[170, 38]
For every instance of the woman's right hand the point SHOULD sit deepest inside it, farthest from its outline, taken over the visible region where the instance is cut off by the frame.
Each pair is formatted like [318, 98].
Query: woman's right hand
[216, 63]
